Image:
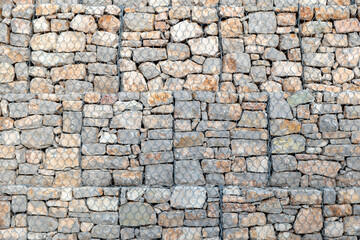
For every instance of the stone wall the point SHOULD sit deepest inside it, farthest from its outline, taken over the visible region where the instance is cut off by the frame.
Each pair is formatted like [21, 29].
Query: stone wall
[186, 119]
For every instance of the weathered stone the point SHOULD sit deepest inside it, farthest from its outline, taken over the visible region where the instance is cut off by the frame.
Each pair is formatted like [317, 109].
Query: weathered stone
[136, 214]
[348, 57]
[279, 108]
[109, 23]
[286, 69]
[105, 231]
[45, 59]
[248, 147]
[236, 233]
[159, 175]
[149, 70]
[177, 51]
[127, 120]
[100, 204]
[303, 224]
[279, 127]
[208, 47]
[263, 232]
[106, 39]
[185, 30]
[342, 210]
[225, 112]
[83, 23]
[246, 179]
[20, 26]
[61, 158]
[262, 22]
[134, 82]
[182, 233]
[252, 219]
[315, 27]
[71, 42]
[333, 229]
[288, 179]
[253, 119]
[44, 42]
[4, 33]
[139, 22]
[188, 197]
[71, 178]
[187, 110]
[231, 27]
[200, 82]
[347, 25]
[38, 138]
[352, 225]
[127, 178]
[148, 54]
[188, 172]
[7, 72]
[288, 144]
[5, 218]
[319, 59]
[236, 63]
[42, 224]
[180, 69]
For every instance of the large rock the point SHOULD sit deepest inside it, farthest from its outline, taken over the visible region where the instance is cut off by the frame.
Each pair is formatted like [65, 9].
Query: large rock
[37, 138]
[278, 107]
[280, 127]
[319, 167]
[177, 51]
[4, 33]
[352, 225]
[236, 63]
[315, 27]
[102, 204]
[136, 214]
[299, 98]
[185, 30]
[139, 22]
[286, 69]
[188, 197]
[288, 144]
[262, 22]
[109, 23]
[348, 57]
[308, 220]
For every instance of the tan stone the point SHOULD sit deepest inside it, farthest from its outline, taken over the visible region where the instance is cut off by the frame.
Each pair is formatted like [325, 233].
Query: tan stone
[348, 57]
[341, 210]
[347, 25]
[286, 19]
[103, 38]
[7, 151]
[231, 27]
[71, 42]
[324, 168]
[292, 85]
[306, 13]
[68, 225]
[342, 75]
[263, 232]
[180, 69]
[331, 12]
[352, 225]
[200, 82]
[285, 69]
[349, 98]
[134, 82]
[70, 140]
[41, 85]
[308, 220]
[7, 72]
[45, 42]
[68, 72]
[37, 208]
[5, 214]
[21, 26]
[109, 23]
[58, 25]
[84, 23]
[46, 9]
[252, 219]
[315, 27]
[6, 123]
[61, 158]
[349, 195]
[71, 178]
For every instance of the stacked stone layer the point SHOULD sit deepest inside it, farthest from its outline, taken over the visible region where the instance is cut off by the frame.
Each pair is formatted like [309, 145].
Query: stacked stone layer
[148, 119]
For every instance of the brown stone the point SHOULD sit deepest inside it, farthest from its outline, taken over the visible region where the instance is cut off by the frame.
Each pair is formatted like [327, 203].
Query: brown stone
[331, 12]
[308, 220]
[61, 158]
[341, 210]
[71, 178]
[306, 13]
[347, 25]
[68, 72]
[324, 168]
[4, 214]
[201, 82]
[231, 27]
[109, 23]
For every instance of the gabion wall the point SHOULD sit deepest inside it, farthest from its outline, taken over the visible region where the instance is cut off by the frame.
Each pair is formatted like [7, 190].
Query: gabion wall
[182, 119]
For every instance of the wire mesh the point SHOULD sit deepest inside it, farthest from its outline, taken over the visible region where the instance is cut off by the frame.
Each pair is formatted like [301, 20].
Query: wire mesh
[179, 119]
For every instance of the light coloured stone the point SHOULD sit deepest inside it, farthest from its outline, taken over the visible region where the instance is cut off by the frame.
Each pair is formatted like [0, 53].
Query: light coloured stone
[185, 30]
[44, 42]
[308, 220]
[236, 63]
[71, 42]
[188, 197]
[286, 69]
[201, 82]
[262, 22]
[106, 39]
[180, 69]
[231, 27]
[83, 23]
[7, 72]
[139, 22]
[37, 138]
[288, 144]
[208, 47]
[134, 82]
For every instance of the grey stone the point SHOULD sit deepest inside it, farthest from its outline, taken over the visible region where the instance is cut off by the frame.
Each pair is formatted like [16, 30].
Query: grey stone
[282, 163]
[127, 120]
[106, 54]
[37, 138]
[51, 59]
[224, 111]
[185, 30]
[160, 134]
[278, 107]
[98, 111]
[4, 33]
[152, 232]
[188, 139]
[102, 69]
[75, 86]
[288, 179]
[149, 70]
[187, 110]
[262, 22]
[249, 147]
[288, 144]
[161, 174]
[194, 153]
[274, 55]
[118, 150]
[128, 136]
[353, 163]
[105, 231]
[289, 41]
[136, 214]
[328, 123]
[148, 54]
[158, 121]
[189, 173]
[93, 149]
[236, 63]
[299, 98]
[253, 119]
[104, 218]
[212, 66]
[246, 179]
[230, 45]
[96, 178]
[156, 146]
[72, 122]
[319, 59]
[89, 135]
[178, 51]
[19, 204]
[18, 110]
[188, 197]
[42, 224]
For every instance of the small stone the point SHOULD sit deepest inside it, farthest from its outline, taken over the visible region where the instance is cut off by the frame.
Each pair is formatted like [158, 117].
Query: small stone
[201, 82]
